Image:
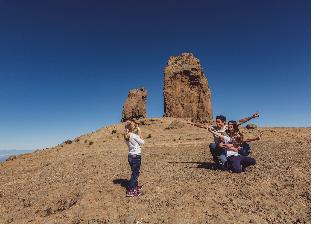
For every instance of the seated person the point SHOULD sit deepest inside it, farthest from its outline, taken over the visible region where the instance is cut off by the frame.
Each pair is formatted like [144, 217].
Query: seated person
[221, 129]
[233, 144]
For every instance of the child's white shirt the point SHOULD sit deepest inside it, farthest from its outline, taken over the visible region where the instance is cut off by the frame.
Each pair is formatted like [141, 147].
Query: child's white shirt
[134, 144]
[228, 140]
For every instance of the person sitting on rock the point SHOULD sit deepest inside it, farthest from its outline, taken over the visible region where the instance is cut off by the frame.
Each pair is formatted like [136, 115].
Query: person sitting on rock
[134, 141]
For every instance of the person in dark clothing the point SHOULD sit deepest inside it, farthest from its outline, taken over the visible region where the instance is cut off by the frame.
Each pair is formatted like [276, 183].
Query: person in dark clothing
[239, 163]
[234, 143]
[221, 128]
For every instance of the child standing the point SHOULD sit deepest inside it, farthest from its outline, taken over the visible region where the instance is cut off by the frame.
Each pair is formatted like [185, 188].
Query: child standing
[134, 141]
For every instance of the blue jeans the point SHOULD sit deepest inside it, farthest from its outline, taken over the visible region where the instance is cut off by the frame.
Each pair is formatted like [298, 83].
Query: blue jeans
[219, 154]
[239, 163]
[245, 149]
[135, 164]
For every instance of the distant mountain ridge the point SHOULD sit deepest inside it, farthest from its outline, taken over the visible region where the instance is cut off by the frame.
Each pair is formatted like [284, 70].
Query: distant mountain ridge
[6, 153]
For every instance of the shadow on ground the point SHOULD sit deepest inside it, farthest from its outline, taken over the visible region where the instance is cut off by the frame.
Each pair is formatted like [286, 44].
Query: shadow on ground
[123, 182]
[201, 165]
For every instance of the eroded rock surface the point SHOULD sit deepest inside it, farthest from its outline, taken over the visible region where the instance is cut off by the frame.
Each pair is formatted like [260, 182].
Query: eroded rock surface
[186, 92]
[135, 105]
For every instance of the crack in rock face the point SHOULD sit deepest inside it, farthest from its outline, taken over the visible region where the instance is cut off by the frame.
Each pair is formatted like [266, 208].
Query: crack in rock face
[186, 92]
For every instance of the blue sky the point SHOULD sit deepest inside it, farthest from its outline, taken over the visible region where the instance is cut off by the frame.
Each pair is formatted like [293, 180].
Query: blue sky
[66, 66]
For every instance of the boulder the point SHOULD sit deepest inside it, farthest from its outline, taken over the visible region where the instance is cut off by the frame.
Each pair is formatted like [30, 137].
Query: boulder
[175, 124]
[135, 105]
[251, 126]
[12, 157]
[186, 92]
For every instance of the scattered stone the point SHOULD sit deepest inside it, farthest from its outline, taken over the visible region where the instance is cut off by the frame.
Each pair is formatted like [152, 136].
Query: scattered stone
[60, 205]
[114, 131]
[176, 124]
[186, 92]
[145, 122]
[68, 142]
[135, 105]
[251, 126]
[12, 157]
[130, 219]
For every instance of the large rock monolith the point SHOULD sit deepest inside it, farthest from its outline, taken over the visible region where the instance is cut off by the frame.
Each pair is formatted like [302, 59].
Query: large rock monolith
[186, 92]
[135, 105]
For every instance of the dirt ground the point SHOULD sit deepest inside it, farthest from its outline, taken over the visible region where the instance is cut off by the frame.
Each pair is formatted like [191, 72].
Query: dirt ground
[84, 181]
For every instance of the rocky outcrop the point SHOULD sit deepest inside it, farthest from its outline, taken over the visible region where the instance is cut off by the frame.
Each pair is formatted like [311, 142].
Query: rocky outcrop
[176, 124]
[186, 92]
[135, 105]
[12, 157]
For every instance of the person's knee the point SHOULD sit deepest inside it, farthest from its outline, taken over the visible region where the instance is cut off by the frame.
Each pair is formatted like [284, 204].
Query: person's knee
[236, 169]
[222, 158]
[246, 146]
[253, 162]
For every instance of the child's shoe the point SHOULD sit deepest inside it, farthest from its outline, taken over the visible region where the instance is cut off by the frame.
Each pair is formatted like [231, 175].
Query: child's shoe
[138, 190]
[131, 192]
[134, 192]
[137, 193]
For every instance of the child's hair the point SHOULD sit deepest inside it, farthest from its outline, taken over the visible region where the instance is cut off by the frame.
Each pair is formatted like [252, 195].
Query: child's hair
[132, 128]
[130, 125]
[136, 130]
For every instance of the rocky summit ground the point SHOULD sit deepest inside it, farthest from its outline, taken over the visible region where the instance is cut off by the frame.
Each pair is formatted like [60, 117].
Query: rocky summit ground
[84, 181]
